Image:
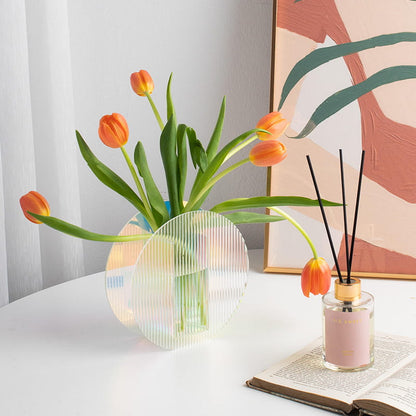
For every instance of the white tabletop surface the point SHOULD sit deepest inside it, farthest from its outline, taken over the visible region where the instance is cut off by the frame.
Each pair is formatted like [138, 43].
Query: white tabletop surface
[62, 351]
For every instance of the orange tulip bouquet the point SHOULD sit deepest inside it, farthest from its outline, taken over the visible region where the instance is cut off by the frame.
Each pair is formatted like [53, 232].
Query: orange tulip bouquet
[178, 142]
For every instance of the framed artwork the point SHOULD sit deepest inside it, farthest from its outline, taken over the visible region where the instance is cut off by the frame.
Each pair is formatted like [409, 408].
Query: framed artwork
[344, 75]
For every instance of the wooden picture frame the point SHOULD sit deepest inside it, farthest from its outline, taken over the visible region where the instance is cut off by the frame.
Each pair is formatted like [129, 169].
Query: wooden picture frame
[380, 69]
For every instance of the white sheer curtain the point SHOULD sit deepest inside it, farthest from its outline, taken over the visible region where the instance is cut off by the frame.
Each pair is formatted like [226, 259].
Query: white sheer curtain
[55, 53]
[4, 291]
[37, 146]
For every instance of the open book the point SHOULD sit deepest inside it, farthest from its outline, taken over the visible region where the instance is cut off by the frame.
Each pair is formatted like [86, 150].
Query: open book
[387, 388]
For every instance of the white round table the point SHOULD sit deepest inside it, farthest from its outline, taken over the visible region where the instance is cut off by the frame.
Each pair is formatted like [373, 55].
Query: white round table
[62, 351]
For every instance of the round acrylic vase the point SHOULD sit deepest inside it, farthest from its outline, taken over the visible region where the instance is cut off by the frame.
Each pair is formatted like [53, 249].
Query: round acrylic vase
[181, 284]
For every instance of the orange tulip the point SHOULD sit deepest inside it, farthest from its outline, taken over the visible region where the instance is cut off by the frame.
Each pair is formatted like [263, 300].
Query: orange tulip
[34, 202]
[316, 277]
[268, 153]
[141, 82]
[274, 123]
[113, 130]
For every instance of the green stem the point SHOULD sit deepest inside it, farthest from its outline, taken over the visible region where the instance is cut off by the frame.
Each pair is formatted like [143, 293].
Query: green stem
[298, 226]
[117, 238]
[241, 146]
[150, 218]
[155, 112]
[189, 206]
[202, 297]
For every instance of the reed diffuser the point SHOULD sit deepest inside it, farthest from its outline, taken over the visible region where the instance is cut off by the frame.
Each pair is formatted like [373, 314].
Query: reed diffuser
[348, 312]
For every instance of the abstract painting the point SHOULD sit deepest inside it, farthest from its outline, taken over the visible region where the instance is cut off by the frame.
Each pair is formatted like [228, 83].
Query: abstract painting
[344, 75]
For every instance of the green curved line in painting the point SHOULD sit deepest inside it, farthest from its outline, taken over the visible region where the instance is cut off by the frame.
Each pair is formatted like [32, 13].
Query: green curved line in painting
[346, 96]
[324, 55]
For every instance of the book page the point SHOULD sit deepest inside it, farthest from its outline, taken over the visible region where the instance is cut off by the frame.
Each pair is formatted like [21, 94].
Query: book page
[398, 390]
[305, 372]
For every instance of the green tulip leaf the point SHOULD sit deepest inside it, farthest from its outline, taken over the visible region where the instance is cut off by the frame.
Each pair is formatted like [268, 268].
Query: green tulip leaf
[108, 177]
[170, 163]
[321, 56]
[214, 141]
[244, 217]
[218, 160]
[156, 201]
[182, 161]
[169, 103]
[342, 98]
[269, 201]
[214, 165]
[75, 231]
[198, 154]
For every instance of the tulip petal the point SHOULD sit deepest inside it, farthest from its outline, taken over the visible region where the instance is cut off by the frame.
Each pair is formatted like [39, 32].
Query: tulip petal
[268, 153]
[113, 130]
[35, 203]
[122, 125]
[305, 283]
[274, 123]
[314, 280]
[141, 82]
[316, 277]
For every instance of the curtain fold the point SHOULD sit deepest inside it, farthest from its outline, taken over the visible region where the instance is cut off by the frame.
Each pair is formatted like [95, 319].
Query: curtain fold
[37, 145]
[4, 290]
[24, 269]
[54, 134]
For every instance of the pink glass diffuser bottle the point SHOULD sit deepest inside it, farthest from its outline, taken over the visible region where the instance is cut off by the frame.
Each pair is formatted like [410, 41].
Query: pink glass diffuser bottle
[348, 327]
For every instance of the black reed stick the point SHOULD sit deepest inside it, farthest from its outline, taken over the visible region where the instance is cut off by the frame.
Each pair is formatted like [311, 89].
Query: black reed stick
[324, 218]
[357, 203]
[344, 208]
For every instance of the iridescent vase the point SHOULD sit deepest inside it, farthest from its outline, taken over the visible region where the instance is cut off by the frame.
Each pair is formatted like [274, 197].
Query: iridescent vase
[182, 283]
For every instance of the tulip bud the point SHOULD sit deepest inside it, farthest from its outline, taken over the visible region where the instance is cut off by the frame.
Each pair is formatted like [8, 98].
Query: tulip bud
[34, 202]
[316, 277]
[141, 82]
[113, 130]
[274, 123]
[267, 153]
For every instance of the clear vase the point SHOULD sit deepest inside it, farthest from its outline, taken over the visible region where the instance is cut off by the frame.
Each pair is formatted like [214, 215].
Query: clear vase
[191, 302]
[182, 284]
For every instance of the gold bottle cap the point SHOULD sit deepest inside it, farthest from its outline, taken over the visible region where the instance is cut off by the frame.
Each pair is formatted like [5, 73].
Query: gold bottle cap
[348, 292]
